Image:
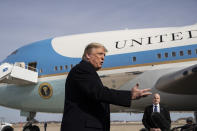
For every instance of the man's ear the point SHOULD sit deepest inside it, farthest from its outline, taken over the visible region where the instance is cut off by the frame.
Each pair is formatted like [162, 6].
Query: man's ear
[87, 56]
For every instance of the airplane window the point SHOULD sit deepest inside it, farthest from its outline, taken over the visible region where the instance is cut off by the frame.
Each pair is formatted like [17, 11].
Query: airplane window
[159, 56]
[189, 52]
[61, 67]
[55, 68]
[134, 59]
[173, 54]
[166, 55]
[181, 53]
[66, 67]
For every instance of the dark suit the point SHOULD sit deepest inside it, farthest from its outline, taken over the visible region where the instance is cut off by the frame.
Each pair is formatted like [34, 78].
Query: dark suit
[87, 100]
[156, 120]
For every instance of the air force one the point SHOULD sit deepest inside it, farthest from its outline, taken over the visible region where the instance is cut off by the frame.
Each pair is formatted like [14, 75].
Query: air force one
[32, 78]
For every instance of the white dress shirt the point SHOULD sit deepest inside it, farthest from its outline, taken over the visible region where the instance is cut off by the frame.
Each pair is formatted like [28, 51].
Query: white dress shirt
[158, 107]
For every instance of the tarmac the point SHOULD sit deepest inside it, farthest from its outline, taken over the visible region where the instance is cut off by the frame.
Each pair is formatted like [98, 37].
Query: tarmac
[115, 126]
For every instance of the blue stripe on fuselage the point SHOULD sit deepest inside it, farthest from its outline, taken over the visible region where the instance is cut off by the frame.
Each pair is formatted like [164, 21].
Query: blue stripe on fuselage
[144, 57]
[43, 53]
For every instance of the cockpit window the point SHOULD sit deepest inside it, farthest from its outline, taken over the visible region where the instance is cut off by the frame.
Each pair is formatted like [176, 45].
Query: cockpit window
[13, 53]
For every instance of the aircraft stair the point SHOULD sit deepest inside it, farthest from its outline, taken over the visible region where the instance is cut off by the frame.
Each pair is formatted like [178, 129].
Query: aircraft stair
[18, 73]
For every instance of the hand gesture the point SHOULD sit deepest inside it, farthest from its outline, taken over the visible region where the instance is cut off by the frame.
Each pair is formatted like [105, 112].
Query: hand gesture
[137, 93]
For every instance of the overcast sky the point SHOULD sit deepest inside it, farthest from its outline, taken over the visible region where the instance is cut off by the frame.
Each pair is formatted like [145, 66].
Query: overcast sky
[26, 21]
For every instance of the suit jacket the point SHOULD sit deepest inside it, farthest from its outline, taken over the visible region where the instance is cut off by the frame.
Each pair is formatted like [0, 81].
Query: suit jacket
[148, 122]
[87, 101]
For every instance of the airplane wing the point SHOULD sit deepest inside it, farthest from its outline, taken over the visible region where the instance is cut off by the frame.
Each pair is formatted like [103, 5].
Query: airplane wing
[183, 81]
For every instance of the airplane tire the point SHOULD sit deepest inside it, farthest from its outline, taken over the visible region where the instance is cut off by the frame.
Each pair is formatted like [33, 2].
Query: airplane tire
[27, 128]
[31, 128]
[35, 128]
[7, 128]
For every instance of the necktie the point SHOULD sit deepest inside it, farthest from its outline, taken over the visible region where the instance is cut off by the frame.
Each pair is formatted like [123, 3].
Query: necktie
[155, 109]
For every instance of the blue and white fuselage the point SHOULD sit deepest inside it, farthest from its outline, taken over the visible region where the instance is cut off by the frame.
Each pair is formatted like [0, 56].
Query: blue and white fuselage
[141, 56]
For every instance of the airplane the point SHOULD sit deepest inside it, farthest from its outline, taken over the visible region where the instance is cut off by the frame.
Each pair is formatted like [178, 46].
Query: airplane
[32, 78]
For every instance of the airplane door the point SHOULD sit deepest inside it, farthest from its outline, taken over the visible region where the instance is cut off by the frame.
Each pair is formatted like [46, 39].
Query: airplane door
[32, 66]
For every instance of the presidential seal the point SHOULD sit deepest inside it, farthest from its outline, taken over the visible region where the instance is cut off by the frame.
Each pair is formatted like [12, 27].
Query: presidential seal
[45, 90]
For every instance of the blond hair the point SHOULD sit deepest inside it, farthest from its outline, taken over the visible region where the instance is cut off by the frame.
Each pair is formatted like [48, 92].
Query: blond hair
[91, 46]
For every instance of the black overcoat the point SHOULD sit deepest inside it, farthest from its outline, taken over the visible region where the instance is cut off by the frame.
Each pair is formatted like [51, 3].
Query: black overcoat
[147, 120]
[87, 100]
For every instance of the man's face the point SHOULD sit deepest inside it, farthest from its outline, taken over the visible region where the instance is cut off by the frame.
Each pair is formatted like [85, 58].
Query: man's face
[156, 99]
[96, 57]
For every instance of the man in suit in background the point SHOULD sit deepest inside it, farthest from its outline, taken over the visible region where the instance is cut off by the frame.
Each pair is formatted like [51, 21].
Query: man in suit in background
[87, 100]
[156, 117]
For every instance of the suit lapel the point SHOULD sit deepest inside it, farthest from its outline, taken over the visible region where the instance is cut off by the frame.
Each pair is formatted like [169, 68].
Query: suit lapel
[151, 109]
[161, 108]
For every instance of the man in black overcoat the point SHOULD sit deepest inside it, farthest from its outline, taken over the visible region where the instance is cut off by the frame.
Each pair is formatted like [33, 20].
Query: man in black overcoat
[87, 100]
[156, 117]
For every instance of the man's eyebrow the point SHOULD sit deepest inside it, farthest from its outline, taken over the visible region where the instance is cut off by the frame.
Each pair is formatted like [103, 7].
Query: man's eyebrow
[100, 53]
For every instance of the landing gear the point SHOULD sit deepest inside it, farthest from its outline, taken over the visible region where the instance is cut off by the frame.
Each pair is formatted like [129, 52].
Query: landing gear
[31, 128]
[30, 120]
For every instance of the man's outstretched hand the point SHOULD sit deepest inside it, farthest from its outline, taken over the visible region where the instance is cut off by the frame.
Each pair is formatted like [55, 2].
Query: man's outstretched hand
[137, 93]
